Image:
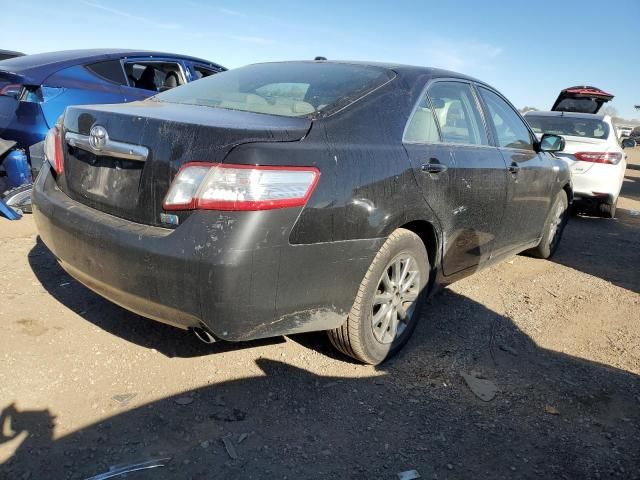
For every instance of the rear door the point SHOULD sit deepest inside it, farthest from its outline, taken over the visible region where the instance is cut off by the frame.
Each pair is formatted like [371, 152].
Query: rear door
[463, 177]
[530, 178]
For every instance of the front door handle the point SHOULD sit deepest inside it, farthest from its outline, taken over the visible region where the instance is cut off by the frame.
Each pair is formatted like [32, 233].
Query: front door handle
[514, 168]
[433, 168]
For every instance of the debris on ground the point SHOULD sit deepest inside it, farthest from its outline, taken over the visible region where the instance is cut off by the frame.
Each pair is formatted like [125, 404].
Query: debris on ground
[183, 400]
[118, 470]
[483, 389]
[408, 475]
[508, 349]
[551, 410]
[231, 450]
[124, 399]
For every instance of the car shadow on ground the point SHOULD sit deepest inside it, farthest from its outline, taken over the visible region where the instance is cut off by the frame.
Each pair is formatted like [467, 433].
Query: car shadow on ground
[554, 416]
[597, 246]
[168, 340]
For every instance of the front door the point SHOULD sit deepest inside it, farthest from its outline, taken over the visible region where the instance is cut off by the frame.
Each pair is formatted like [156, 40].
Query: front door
[462, 177]
[530, 177]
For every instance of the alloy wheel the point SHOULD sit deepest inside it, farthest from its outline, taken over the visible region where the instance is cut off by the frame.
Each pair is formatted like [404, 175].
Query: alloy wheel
[395, 299]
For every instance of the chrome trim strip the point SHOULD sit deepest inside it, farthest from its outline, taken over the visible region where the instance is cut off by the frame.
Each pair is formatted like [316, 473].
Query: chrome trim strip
[111, 148]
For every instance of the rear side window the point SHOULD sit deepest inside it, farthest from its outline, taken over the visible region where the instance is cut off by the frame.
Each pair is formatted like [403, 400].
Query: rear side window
[458, 114]
[510, 129]
[422, 127]
[297, 89]
[110, 70]
[574, 127]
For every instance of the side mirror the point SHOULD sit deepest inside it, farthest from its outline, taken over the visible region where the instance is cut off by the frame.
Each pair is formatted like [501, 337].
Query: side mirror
[551, 143]
[628, 143]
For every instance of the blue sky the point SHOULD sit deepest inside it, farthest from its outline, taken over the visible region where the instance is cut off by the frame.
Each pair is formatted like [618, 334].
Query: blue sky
[528, 50]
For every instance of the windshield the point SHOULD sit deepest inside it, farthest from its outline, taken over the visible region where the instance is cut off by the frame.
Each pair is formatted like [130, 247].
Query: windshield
[576, 127]
[299, 89]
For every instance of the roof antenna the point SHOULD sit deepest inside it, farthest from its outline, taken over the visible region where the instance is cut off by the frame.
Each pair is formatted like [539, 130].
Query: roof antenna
[320, 59]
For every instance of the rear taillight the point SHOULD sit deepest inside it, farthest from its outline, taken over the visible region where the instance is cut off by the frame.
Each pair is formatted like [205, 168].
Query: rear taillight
[240, 187]
[11, 90]
[53, 150]
[612, 158]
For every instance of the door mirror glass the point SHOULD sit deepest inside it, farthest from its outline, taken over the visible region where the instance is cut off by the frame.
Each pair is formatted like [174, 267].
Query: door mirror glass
[628, 143]
[551, 143]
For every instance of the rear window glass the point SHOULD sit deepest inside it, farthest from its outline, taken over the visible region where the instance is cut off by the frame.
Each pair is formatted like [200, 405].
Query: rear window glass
[575, 127]
[287, 89]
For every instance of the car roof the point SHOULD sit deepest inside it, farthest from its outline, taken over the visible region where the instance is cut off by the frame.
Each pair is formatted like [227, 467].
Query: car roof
[396, 67]
[537, 113]
[11, 52]
[38, 66]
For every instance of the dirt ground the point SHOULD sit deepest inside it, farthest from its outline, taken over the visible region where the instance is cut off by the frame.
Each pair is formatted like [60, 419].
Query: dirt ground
[85, 385]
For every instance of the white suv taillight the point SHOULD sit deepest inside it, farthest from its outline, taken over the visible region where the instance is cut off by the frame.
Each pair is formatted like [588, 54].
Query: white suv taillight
[53, 149]
[240, 187]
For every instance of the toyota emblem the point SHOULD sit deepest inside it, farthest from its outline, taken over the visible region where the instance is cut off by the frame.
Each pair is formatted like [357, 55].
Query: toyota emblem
[98, 137]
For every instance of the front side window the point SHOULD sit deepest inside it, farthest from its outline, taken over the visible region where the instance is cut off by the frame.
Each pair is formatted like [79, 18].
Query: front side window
[156, 76]
[296, 89]
[511, 131]
[202, 72]
[457, 112]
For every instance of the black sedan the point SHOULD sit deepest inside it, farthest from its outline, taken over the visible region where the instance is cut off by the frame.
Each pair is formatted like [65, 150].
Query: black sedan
[291, 197]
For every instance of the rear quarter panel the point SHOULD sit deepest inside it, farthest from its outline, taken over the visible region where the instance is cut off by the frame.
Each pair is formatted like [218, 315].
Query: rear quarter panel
[80, 87]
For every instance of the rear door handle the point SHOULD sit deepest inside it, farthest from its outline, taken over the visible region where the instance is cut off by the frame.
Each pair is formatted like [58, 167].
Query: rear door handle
[433, 168]
[513, 168]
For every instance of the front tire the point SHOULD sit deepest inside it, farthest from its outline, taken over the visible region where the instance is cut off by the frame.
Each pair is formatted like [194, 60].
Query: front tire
[387, 305]
[553, 227]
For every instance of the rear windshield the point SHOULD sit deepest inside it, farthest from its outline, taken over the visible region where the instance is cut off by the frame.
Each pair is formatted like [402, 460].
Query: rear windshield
[576, 127]
[287, 89]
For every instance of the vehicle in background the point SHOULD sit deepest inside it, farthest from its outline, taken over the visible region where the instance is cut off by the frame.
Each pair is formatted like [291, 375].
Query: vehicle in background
[298, 196]
[623, 131]
[35, 89]
[635, 135]
[6, 54]
[592, 151]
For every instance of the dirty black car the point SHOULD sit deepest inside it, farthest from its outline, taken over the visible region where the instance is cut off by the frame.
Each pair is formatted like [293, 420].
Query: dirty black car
[298, 196]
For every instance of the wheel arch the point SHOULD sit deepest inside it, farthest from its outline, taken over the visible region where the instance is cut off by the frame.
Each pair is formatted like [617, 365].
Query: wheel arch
[429, 235]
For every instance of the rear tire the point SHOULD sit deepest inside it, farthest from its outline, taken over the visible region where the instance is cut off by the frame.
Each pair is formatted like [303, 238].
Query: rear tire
[387, 305]
[553, 227]
[608, 210]
[19, 197]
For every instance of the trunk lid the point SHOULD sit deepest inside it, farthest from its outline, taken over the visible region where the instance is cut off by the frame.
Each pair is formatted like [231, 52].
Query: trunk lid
[172, 135]
[581, 99]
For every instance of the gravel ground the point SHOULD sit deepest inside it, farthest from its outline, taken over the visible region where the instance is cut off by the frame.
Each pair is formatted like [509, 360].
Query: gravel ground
[85, 385]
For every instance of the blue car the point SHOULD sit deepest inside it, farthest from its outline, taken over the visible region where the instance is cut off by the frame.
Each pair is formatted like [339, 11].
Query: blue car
[35, 89]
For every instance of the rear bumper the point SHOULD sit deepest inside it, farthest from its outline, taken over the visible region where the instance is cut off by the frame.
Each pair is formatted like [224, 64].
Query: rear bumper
[234, 272]
[600, 183]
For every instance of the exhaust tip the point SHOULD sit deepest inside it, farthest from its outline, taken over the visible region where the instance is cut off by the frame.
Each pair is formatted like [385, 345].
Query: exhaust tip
[203, 335]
